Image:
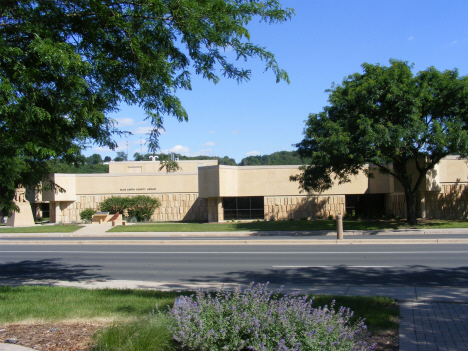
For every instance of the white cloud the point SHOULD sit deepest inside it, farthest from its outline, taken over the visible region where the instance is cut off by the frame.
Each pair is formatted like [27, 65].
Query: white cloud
[452, 43]
[253, 153]
[202, 152]
[122, 147]
[125, 122]
[411, 38]
[212, 132]
[146, 130]
[209, 143]
[143, 130]
[179, 149]
[235, 131]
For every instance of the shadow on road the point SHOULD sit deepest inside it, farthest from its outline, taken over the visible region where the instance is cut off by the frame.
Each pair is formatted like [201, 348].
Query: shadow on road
[47, 269]
[341, 275]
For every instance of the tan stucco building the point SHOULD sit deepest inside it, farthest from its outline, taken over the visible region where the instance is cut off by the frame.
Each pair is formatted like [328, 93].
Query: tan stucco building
[204, 190]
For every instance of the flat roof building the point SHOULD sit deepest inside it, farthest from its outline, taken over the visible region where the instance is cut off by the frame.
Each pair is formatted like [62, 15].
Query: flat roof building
[206, 191]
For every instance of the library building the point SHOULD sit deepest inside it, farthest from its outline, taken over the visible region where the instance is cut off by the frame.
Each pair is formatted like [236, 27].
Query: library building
[206, 191]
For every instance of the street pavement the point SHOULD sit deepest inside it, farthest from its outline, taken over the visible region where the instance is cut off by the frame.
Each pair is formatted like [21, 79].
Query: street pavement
[432, 318]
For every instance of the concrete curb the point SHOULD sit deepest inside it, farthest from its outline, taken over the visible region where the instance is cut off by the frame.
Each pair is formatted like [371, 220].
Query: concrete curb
[101, 230]
[236, 242]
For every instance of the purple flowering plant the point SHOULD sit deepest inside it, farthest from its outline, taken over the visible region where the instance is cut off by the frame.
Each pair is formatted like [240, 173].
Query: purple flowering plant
[262, 320]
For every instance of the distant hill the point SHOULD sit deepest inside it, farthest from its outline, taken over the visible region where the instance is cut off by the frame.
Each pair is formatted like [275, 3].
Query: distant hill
[94, 163]
[276, 158]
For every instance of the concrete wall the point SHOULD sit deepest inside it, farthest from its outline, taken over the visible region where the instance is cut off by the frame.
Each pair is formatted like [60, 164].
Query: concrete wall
[215, 209]
[380, 184]
[453, 170]
[234, 181]
[450, 203]
[174, 207]
[299, 207]
[136, 167]
[396, 205]
[67, 182]
[208, 182]
[118, 184]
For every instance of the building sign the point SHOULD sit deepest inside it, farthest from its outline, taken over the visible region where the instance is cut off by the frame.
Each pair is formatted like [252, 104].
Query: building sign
[137, 189]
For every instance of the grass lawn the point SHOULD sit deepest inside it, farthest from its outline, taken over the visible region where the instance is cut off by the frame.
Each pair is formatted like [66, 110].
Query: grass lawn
[42, 229]
[287, 226]
[46, 304]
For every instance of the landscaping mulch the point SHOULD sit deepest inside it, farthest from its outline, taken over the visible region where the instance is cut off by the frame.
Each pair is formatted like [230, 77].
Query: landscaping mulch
[52, 336]
[386, 342]
[77, 336]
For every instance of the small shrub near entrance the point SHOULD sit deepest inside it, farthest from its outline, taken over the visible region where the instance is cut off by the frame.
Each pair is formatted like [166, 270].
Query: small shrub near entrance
[140, 207]
[115, 204]
[255, 319]
[87, 214]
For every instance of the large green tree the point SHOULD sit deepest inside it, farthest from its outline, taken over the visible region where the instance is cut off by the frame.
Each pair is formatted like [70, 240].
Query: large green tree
[397, 122]
[65, 65]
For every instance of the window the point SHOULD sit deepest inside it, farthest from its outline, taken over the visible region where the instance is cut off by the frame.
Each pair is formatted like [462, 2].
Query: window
[243, 208]
[45, 208]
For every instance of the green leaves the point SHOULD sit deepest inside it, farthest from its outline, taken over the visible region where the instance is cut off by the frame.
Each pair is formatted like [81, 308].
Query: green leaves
[64, 65]
[388, 117]
[141, 206]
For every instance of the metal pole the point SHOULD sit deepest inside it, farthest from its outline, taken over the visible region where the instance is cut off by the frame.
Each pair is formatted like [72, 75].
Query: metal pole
[339, 226]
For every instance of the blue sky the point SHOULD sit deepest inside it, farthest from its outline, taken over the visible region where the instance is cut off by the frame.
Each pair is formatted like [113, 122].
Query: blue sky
[324, 42]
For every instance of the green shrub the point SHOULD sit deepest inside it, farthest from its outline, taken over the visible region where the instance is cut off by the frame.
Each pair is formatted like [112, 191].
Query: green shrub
[142, 207]
[87, 214]
[115, 204]
[255, 319]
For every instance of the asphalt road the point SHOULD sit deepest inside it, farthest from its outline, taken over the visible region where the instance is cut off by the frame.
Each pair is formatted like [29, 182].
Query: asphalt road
[361, 265]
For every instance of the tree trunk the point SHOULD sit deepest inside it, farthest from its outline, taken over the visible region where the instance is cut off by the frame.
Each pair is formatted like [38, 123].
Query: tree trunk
[411, 207]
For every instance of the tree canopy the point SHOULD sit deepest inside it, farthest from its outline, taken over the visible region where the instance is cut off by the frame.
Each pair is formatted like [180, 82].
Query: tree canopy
[91, 164]
[65, 65]
[276, 158]
[121, 156]
[400, 123]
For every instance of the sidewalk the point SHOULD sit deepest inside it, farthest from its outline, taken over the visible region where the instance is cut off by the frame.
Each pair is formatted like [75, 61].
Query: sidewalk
[100, 236]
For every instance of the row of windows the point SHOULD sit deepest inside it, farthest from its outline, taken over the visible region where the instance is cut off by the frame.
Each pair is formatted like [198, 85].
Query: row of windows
[243, 208]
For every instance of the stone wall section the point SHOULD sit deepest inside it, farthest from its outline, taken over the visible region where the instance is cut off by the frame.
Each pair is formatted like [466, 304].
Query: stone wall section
[396, 205]
[174, 207]
[299, 207]
[215, 209]
[450, 203]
